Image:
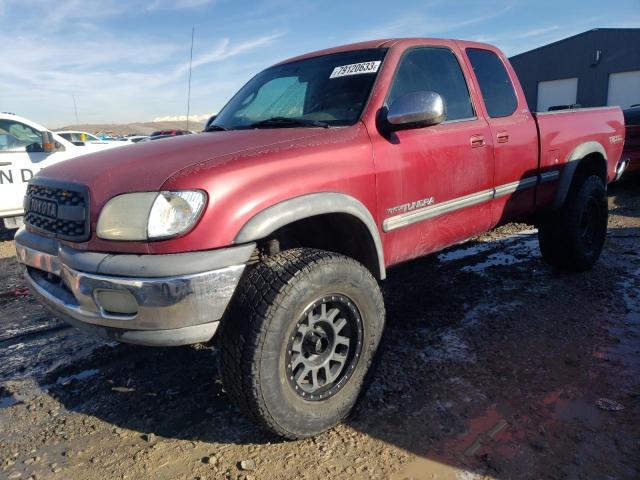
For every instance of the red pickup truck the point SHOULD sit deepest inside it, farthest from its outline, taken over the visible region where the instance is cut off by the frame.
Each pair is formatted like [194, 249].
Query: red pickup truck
[272, 229]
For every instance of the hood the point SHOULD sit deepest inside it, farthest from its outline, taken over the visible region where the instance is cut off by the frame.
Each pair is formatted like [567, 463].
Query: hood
[146, 166]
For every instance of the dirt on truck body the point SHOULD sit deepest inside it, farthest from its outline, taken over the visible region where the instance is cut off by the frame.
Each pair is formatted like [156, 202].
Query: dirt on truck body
[499, 372]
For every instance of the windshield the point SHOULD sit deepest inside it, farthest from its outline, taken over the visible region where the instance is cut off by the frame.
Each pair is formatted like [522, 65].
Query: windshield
[330, 89]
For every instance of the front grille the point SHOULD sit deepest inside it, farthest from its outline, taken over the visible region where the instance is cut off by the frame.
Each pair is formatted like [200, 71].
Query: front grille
[58, 209]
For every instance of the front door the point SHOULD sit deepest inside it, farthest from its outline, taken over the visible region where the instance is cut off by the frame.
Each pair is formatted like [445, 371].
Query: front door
[20, 160]
[435, 184]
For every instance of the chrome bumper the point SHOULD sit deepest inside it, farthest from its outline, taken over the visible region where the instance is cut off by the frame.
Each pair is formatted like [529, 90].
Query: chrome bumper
[170, 310]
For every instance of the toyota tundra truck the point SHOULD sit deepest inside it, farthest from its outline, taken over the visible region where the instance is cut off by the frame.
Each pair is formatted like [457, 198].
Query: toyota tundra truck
[268, 234]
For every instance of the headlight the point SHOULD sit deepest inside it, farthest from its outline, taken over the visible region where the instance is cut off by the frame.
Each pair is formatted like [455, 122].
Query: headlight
[150, 215]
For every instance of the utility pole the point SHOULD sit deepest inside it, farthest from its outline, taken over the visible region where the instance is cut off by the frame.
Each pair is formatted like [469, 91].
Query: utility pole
[193, 29]
[75, 108]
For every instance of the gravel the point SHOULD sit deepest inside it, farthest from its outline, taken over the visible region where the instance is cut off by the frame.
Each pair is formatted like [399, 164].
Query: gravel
[491, 366]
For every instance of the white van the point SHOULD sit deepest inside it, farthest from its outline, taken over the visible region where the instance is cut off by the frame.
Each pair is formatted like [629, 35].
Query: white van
[25, 148]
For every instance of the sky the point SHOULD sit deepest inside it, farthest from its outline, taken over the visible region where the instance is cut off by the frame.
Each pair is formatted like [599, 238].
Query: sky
[128, 61]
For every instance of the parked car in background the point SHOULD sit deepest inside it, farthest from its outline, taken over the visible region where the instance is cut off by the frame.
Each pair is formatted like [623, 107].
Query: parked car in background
[136, 138]
[82, 139]
[272, 230]
[170, 133]
[156, 137]
[632, 138]
[25, 148]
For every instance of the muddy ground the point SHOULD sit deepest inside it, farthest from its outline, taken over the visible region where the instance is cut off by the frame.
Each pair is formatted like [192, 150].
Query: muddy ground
[492, 366]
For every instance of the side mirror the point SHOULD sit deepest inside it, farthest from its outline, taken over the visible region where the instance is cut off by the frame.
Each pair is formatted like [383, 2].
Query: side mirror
[49, 145]
[416, 110]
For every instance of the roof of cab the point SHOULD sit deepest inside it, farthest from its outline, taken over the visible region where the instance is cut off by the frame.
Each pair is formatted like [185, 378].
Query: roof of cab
[387, 43]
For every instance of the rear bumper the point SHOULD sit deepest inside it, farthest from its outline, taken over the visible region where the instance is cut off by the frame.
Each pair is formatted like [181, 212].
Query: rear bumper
[621, 167]
[634, 160]
[143, 299]
[15, 212]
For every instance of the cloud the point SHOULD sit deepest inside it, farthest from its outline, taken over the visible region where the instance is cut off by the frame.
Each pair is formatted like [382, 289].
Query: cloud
[427, 23]
[177, 4]
[112, 79]
[538, 31]
[225, 49]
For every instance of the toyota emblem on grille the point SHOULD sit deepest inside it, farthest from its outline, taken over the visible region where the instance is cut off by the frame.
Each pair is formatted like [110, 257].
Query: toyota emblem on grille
[43, 207]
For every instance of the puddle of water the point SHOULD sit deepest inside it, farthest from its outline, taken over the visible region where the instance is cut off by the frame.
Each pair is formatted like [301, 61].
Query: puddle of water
[449, 346]
[78, 376]
[626, 351]
[35, 357]
[464, 252]
[513, 253]
[460, 253]
[580, 410]
[10, 401]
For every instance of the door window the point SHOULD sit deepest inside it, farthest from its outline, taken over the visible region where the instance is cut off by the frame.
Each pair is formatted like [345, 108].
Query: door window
[495, 84]
[437, 70]
[16, 136]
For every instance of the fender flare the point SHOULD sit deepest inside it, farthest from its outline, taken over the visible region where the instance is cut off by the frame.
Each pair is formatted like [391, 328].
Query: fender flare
[305, 206]
[571, 165]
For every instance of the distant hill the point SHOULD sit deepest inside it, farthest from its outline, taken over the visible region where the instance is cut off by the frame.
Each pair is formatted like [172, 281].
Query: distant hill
[142, 128]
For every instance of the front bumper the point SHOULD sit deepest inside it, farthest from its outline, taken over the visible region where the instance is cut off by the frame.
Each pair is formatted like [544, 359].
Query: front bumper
[100, 292]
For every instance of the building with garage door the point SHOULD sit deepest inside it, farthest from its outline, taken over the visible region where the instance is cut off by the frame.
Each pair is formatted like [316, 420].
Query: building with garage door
[592, 69]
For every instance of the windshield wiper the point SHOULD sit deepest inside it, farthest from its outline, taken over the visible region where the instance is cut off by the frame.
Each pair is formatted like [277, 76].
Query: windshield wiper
[288, 122]
[216, 128]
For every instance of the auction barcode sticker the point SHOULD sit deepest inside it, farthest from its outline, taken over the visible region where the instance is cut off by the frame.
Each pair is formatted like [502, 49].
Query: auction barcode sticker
[355, 69]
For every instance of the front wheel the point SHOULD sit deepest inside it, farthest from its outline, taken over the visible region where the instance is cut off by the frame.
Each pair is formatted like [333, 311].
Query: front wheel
[572, 237]
[299, 338]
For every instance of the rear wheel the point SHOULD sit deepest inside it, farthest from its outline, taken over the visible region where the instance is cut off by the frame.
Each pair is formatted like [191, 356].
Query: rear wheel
[572, 237]
[299, 339]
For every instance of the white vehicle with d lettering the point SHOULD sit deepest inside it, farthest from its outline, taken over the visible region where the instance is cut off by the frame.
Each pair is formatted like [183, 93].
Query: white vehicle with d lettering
[25, 148]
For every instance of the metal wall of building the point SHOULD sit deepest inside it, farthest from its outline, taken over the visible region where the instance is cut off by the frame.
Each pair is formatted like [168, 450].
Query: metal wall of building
[577, 57]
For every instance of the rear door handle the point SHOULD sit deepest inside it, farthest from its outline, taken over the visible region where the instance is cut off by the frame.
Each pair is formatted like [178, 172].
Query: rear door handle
[4, 164]
[477, 141]
[502, 137]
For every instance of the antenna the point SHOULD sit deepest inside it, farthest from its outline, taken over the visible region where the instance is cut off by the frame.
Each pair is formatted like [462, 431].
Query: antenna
[75, 109]
[193, 29]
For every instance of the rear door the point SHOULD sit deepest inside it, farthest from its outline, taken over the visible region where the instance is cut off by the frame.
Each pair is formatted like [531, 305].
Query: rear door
[513, 131]
[434, 183]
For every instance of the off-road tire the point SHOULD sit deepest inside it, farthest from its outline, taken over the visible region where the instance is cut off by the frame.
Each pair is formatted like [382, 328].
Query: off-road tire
[572, 237]
[254, 338]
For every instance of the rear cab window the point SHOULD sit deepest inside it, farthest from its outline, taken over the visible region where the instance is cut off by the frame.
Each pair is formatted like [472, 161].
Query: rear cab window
[495, 85]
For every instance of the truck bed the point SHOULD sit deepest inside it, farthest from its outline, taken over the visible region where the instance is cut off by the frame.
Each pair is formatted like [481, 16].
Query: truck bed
[563, 133]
